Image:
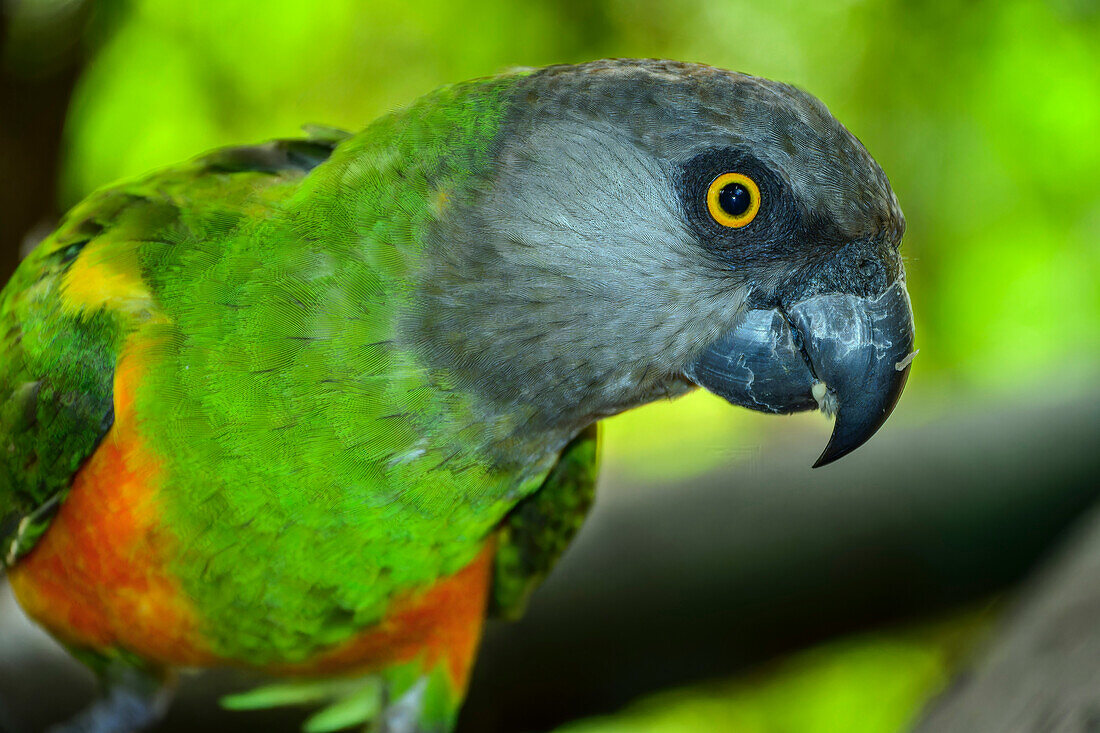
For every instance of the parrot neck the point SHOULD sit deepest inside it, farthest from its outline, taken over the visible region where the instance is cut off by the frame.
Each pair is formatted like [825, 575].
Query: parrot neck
[504, 339]
[536, 368]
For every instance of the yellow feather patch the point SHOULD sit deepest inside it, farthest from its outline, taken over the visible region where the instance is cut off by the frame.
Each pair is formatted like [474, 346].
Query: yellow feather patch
[106, 275]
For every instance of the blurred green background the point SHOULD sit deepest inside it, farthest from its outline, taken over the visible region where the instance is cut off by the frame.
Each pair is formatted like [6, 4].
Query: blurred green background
[985, 116]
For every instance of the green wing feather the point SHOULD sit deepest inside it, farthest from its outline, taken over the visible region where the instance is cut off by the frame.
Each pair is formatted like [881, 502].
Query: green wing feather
[536, 532]
[58, 363]
[55, 388]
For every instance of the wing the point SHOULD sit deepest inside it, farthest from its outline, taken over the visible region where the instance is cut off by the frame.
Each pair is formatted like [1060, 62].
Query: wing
[536, 532]
[71, 304]
[55, 387]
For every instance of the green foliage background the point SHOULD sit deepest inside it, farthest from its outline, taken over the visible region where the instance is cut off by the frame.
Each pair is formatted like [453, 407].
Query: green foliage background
[985, 115]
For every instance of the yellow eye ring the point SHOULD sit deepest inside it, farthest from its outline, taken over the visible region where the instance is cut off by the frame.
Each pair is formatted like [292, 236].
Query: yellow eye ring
[733, 200]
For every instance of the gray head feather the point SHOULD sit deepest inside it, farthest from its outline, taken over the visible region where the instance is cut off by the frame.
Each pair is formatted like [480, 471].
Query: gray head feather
[573, 286]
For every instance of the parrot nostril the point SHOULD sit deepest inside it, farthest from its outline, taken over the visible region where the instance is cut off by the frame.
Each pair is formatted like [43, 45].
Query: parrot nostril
[868, 268]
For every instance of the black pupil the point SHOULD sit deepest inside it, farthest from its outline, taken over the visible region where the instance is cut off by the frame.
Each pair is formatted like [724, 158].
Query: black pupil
[734, 199]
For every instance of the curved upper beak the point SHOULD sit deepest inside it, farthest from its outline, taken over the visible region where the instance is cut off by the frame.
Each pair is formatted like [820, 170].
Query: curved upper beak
[846, 354]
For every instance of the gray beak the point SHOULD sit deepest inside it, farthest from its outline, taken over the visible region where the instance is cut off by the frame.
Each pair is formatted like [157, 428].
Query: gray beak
[840, 352]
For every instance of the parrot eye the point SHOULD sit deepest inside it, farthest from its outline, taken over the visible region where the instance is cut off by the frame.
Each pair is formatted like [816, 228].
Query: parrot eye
[733, 200]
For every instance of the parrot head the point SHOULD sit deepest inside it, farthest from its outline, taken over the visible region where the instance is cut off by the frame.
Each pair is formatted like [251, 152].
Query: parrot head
[646, 227]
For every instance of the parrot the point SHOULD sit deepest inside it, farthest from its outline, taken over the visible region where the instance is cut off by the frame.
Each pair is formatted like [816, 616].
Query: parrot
[318, 407]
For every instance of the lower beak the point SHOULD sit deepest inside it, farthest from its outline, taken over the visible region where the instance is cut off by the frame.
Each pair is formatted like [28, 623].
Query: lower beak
[840, 352]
